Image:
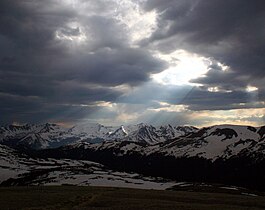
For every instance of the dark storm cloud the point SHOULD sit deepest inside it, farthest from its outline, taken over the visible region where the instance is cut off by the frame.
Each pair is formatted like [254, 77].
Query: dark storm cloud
[43, 70]
[30, 24]
[224, 80]
[36, 50]
[111, 67]
[230, 32]
[37, 110]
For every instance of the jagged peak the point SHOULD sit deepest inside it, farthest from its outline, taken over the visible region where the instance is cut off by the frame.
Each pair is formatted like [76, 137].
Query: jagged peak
[96, 133]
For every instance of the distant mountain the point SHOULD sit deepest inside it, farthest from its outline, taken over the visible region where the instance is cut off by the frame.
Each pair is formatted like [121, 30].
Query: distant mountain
[35, 136]
[52, 135]
[229, 154]
[221, 141]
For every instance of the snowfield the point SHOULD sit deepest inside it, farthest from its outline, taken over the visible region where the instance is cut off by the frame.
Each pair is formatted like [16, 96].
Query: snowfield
[19, 170]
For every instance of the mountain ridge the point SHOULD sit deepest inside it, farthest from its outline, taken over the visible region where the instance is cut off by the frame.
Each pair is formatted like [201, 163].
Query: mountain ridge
[213, 142]
[51, 135]
[229, 154]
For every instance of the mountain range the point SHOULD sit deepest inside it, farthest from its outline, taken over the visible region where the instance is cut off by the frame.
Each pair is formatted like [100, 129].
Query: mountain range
[220, 141]
[230, 154]
[51, 135]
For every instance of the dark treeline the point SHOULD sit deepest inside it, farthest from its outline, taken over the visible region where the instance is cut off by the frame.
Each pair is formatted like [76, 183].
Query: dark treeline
[239, 171]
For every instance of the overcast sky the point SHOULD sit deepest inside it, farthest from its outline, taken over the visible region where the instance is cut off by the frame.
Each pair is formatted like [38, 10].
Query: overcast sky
[197, 62]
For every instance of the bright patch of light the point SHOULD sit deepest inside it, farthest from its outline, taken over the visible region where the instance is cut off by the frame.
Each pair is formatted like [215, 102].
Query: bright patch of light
[251, 88]
[170, 107]
[140, 24]
[213, 89]
[223, 67]
[137, 23]
[250, 116]
[184, 66]
[72, 32]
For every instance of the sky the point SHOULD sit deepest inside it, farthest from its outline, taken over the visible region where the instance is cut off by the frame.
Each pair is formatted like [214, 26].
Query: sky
[180, 62]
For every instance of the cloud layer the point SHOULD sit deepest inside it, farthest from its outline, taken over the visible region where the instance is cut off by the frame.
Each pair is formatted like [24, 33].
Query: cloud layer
[53, 55]
[67, 61]
[230, 33]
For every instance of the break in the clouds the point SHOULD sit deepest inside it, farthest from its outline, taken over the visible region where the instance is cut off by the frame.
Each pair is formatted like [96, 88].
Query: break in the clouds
[229, 33]
[123, 61]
